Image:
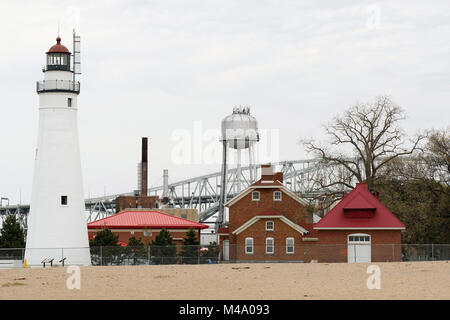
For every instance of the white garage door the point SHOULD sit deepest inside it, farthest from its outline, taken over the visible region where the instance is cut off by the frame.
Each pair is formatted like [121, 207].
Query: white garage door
[358, 249]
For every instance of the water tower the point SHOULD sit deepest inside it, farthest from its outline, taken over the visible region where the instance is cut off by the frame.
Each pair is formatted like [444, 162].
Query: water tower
[239, 132]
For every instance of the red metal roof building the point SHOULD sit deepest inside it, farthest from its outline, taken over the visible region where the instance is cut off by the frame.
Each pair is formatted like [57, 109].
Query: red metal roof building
[361, 229]
[359, 210]
[144, 224]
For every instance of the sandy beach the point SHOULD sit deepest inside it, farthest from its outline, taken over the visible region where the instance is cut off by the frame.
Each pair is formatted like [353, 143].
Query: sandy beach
[406, 280]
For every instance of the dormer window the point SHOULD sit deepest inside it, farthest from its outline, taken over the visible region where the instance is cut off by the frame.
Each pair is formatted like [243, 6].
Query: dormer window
[359, 213]
[269, 225]
[255, 196]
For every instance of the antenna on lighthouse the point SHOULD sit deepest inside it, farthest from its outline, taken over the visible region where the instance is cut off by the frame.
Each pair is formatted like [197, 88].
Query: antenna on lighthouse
[76, 55]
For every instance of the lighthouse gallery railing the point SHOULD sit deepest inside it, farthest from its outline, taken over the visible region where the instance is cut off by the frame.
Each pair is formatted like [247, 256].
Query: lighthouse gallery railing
[58, 85]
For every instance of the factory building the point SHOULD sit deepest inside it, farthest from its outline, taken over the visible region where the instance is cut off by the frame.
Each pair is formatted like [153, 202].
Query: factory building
[141, 199]
[136, 202]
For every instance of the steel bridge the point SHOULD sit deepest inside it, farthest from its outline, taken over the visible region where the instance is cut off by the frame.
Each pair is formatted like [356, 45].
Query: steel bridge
[203, 192]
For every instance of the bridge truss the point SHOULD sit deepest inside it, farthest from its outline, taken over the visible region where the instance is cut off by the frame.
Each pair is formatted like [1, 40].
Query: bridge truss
[203, 192]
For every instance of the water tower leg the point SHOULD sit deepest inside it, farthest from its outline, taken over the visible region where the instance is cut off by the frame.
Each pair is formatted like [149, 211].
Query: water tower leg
[223, 187]
[251, 164]
[238, 171]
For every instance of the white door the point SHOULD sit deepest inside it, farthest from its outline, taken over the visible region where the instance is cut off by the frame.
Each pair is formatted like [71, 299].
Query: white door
[359, 248]
[226, 250]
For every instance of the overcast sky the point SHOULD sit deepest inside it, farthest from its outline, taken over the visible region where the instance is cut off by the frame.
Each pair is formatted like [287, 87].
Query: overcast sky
[164, 68]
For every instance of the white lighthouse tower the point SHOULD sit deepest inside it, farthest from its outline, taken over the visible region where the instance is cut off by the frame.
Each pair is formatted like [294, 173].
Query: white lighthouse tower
[56, 223]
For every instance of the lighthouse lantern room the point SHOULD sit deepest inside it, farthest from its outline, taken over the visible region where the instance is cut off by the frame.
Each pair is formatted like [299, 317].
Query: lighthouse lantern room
[57, 226]
[58, 57]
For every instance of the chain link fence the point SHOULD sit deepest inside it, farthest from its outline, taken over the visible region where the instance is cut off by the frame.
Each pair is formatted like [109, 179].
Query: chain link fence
[211, 254]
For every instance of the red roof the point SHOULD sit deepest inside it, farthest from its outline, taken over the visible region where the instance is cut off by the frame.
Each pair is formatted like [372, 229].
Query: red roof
[140, 219]
[267, 183]
[360, 209]
[58, 47]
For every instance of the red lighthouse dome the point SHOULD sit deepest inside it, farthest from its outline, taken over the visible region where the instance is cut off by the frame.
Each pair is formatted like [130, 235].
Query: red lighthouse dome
[58, 47]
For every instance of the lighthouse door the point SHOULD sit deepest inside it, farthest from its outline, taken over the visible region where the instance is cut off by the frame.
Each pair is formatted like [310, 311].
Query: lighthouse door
[359, 248]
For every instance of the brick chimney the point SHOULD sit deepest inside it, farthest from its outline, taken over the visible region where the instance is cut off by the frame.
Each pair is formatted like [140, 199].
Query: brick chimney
[267, 173]
[278, 176]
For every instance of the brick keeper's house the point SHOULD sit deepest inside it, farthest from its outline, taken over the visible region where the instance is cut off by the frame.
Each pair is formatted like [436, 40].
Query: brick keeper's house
[268, 222]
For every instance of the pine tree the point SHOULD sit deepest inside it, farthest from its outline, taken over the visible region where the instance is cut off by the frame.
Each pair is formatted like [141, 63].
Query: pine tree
[163, 247]
[190, 249]
[104, 238]
[133, 242]
[163, 239]
[135, 248]
[106, 246]
[12, 234]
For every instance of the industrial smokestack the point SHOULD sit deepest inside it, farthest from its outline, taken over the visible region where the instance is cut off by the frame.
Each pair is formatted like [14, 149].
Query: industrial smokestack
[165, 186]
[144, 167]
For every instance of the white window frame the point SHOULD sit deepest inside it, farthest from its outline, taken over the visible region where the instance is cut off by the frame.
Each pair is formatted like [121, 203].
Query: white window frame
[253, 195]
[273, 245]
[277, 192]
[246, 246]
[273, 226]
[359, 241]
[287, 245]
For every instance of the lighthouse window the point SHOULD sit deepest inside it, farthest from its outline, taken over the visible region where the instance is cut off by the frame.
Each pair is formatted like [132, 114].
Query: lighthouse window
[69, 102]
[64, 200]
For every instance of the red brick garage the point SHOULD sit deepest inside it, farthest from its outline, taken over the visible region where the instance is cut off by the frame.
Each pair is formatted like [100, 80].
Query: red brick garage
[359, 229]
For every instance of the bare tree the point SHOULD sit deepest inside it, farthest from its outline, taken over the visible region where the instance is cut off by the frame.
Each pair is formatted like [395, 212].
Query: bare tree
[438, 154]
[362, 141]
